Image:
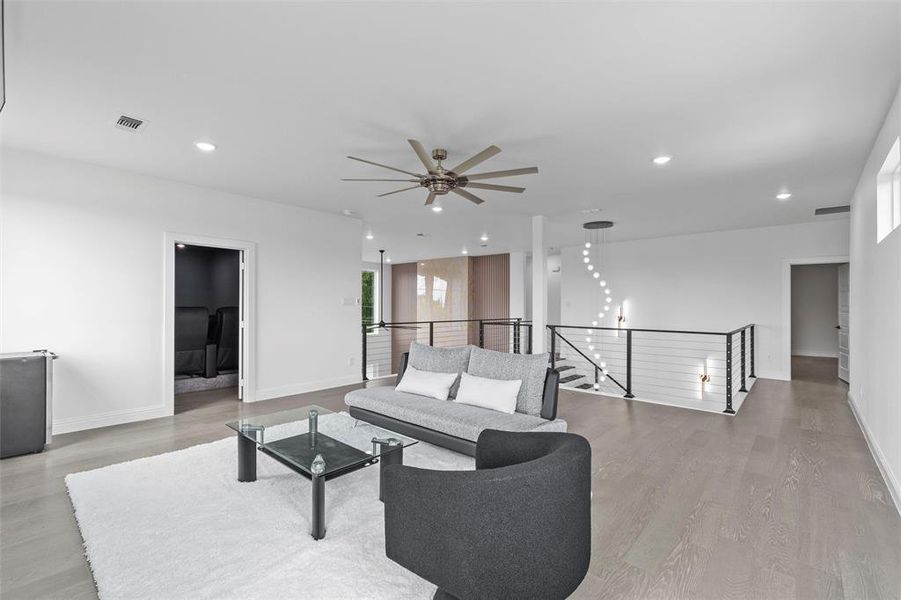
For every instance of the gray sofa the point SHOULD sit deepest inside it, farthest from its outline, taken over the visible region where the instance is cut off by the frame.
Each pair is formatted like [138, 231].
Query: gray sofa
[458, 426]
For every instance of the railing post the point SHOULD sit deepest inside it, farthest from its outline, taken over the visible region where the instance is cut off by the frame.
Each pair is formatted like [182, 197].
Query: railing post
[531, 333]
[628, 393]
[553, 331]
[516, 333]
[752, 352]
[729, 409]
[481, 334]
[744, 387]
[363, 362]
[431, 333]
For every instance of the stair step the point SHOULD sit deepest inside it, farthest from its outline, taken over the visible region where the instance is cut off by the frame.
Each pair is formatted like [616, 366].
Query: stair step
[585, 386]
[569, 378]
[565, 368]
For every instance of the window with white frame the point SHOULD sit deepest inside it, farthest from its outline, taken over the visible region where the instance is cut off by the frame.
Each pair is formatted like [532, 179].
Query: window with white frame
[888, 193]
[370, 297]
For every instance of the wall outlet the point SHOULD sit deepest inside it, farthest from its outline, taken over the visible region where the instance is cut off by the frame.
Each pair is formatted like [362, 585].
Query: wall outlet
[351, 360]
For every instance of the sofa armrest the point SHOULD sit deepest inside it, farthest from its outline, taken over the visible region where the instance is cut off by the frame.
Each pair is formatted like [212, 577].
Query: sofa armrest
[404, 359]
[551, 392]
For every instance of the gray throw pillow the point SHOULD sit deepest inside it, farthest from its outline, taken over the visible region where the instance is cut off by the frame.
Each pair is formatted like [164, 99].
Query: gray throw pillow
[530, 368]
[441, 360]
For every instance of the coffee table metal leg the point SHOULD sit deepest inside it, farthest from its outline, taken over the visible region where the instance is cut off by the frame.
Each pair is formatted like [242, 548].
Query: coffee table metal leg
[247, 459]
[318, 527]
[391, 455]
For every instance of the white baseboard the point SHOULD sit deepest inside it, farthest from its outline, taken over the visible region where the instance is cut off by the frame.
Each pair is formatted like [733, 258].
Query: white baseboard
[893, 487]
[309, 386]
[114, 417]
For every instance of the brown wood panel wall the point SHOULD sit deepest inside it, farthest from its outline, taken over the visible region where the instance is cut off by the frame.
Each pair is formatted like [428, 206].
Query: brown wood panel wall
[489, 289]
[403, 309]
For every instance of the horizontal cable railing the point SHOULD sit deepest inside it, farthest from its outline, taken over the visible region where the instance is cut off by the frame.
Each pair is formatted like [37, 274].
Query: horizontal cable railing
[384, 343]
[696, 368]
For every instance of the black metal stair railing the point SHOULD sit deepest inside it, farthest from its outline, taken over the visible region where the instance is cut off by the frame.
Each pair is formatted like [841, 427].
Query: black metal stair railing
[382, 344]
[697, 368]
[673, 365]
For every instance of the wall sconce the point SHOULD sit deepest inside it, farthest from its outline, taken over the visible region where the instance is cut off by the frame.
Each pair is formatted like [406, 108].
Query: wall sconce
[620, 316]
[705, 378]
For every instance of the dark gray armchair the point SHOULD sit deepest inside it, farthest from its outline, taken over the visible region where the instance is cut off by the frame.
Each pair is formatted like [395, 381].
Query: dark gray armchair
[519, 526]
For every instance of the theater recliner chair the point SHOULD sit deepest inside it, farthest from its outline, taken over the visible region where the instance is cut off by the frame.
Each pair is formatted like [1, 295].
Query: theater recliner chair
[228, 322]
[191, 328]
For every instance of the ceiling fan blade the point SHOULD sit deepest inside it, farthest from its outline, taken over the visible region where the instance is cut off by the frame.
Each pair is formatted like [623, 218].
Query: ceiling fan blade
[499, 188]
[351, 179]
[471, 197]
[384, 166]
[423, 155]
[399, 191]
[507, 173]
[430, 199]
[475, 160]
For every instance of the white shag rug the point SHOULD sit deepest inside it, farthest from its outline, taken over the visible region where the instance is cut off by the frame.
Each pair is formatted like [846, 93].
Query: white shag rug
[180, 525]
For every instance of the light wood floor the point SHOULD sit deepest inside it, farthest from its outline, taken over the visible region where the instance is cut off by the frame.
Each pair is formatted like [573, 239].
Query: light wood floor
[782, 501]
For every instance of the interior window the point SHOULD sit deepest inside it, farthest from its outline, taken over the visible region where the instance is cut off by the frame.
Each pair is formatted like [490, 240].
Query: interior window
[888, 193]
[369, 297]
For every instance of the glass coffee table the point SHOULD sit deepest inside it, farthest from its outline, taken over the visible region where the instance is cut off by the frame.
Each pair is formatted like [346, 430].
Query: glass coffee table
[319, 445]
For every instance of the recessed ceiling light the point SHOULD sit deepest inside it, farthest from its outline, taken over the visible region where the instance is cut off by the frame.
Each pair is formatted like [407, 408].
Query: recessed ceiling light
[388, 259]
[205, 146]
[180, 246]
[464, 251]
[436, 208]
[348, 213]
[783, 195]
[484, 237]
[369, 236]
[662, 159]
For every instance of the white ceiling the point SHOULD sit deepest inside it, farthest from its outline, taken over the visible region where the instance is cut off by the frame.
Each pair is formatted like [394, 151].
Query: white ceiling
[747, 97]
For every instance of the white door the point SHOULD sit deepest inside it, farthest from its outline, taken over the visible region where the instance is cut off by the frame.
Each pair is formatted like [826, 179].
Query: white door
[843, 331]
[241, 322]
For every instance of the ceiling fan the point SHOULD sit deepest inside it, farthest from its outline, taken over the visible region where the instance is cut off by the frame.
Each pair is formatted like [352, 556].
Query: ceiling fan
[381, 324]
[440, 180]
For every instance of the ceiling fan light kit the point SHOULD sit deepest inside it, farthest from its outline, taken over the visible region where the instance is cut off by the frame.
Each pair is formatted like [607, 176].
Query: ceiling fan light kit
[440, 181]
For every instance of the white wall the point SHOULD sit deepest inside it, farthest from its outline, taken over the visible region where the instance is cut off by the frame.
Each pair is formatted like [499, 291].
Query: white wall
[82, 273]
[814, 309]
[554, 280]
[518, 285]
[875, 318]
[705, 282]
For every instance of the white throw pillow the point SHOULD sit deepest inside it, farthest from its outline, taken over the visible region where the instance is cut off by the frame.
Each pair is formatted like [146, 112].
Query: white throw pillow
[426, 383]
[495, 394]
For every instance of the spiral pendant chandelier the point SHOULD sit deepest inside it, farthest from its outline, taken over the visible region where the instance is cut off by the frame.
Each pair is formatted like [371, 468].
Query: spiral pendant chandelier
[594, 255]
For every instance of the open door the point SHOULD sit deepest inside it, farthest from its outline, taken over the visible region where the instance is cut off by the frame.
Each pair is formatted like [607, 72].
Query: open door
[241, 326]
[842, 327]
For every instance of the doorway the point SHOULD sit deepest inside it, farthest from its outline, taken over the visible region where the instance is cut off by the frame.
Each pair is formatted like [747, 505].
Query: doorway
[819, 320]
[208, 322]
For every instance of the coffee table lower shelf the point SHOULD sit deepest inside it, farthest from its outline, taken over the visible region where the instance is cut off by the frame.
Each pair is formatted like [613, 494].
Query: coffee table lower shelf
[247, 465]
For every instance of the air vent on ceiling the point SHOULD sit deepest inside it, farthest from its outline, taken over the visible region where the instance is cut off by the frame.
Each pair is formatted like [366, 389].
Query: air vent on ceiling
[832, 210]
[130, 123]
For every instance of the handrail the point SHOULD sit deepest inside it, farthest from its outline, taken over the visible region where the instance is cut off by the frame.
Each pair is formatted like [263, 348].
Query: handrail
[597, 367]
[643, 330]
[499, 320]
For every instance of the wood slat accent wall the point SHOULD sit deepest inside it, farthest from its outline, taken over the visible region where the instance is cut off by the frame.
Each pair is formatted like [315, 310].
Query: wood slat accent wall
[489, 298]
[403, 308]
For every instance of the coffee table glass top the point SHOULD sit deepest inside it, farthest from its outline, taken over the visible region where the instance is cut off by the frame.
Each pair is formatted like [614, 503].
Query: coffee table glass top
[344, 443]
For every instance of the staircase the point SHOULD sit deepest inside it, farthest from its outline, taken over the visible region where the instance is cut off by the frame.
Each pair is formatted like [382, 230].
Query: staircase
[570, 376]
